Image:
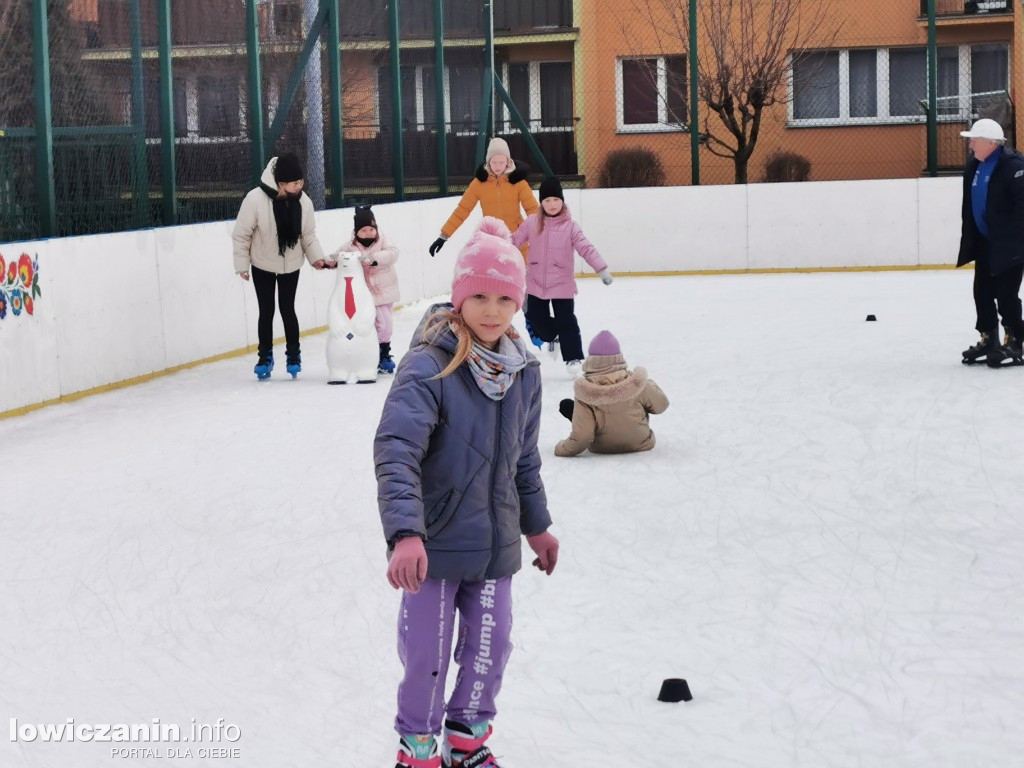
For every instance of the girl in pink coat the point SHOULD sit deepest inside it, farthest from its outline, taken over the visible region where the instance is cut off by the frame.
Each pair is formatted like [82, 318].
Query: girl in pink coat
[378, 257]
[550, 280]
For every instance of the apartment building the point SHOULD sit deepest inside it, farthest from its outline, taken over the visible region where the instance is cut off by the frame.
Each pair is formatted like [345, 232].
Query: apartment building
[853, 105]
[580, 74]
[534, 45]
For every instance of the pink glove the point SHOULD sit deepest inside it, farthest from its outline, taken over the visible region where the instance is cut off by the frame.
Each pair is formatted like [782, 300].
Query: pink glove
[545, 546]
[407, 567]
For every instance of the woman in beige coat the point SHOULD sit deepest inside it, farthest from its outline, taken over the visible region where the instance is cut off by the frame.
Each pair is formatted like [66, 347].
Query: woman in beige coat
[612, 405]
[276, 227]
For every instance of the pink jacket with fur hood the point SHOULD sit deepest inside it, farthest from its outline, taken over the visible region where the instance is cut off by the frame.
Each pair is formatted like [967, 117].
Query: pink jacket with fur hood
[610, 414]
[381, 279]
[550, 272]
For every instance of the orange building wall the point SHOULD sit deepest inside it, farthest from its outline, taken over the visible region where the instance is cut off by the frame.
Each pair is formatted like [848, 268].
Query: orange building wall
[84, 10]
[847, 152]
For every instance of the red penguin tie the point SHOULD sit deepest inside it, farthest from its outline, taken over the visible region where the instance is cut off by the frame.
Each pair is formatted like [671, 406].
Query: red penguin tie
[350, 299]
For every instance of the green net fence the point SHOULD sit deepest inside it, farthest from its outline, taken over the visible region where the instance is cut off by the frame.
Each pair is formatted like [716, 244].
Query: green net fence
[598, 93]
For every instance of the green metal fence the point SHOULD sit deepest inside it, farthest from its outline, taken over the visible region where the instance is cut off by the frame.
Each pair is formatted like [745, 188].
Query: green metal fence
[120, 114]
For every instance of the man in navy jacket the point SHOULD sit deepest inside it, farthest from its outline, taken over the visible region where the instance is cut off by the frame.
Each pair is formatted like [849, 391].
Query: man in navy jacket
[993, 238]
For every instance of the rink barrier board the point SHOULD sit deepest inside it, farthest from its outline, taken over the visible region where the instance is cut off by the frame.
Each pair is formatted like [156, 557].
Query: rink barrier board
[104, 388]
[312, 332]
[128, 306]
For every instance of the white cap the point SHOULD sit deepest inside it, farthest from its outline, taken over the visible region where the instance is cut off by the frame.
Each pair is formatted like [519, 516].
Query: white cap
[985, 129]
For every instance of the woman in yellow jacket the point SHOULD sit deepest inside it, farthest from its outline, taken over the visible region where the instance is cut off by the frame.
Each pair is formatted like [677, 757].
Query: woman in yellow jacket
[499, 188]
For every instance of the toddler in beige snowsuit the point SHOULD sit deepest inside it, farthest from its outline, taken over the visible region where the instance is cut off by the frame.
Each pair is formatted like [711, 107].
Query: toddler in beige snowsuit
[612, 405]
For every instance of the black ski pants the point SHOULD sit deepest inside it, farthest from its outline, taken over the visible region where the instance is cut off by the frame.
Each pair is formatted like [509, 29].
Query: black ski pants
[562, 326]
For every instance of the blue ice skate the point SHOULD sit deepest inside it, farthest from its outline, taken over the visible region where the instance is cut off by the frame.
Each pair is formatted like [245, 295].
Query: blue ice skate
[534, 338]
[387, 363]
[294, 365]
[264, 366]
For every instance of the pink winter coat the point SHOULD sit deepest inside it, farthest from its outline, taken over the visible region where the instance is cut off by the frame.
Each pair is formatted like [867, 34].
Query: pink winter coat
[381, 279]
[549, 269]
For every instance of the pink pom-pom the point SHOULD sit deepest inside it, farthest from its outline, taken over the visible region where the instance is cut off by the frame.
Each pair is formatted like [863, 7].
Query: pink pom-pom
[495, 226]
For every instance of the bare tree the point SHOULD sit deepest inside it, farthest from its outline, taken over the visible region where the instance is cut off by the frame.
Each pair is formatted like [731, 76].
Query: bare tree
[747, 50]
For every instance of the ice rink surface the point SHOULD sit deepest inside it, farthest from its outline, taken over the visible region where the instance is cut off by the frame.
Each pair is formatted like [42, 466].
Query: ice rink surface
[826, 543]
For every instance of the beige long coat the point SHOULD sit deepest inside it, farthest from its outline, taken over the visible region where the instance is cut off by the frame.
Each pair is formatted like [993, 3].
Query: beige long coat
[254, 237]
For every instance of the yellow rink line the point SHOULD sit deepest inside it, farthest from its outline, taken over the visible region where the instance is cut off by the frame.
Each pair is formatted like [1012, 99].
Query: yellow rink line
[312, 331]
[142, 379]
[778, 271]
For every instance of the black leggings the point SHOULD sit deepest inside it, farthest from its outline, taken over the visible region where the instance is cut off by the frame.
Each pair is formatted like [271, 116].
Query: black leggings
[286, 284]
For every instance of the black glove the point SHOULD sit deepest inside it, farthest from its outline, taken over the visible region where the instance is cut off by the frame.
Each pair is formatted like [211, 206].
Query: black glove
[436, 246]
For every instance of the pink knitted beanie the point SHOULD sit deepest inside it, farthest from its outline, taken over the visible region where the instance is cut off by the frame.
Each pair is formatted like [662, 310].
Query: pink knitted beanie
[489, 263]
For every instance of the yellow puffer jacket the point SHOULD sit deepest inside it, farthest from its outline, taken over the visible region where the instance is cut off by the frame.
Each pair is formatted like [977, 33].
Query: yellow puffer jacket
[499, 196]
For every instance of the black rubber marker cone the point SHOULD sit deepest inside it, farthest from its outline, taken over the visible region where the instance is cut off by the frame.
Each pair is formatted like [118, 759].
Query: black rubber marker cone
[871, 318]
[674, 689]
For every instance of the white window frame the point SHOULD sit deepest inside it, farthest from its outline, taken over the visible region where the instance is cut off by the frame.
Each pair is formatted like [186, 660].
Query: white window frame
[192, 114]
[535, 96]
[662, 126]
[882, 93]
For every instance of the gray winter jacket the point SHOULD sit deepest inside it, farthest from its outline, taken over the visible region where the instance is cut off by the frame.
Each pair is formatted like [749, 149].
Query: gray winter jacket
[457, 468]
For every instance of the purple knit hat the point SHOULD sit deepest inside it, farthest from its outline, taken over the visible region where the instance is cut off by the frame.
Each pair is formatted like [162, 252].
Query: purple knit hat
[604, 344]
[489, 263]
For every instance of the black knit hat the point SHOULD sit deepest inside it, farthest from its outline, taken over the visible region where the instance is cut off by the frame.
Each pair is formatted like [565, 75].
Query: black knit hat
[288, 169]
[551, 187]
[364, 218]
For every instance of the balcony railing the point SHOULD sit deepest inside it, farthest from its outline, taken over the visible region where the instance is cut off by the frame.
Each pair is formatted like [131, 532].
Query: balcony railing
[462, 18]
[368, 160]
[211, 22]
[968, 7]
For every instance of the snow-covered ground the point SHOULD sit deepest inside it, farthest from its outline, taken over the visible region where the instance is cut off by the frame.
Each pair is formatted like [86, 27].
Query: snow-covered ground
[826, 543]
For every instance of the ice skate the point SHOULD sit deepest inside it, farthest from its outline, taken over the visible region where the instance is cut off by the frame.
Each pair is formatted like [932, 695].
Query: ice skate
[534, 338]
[980, 351]
[464, 746]
[1006, 354]
[387, 363]
[264, 365]
[554, 348]
[418, 751]
[1016, 349]
[575, 368]
[293, 364]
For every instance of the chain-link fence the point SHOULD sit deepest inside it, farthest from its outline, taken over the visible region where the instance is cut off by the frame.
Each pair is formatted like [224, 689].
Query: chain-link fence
[601, 94]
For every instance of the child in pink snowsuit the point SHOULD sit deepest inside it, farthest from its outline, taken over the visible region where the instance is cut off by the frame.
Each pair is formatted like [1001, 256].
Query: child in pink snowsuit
[554, 238]
[378, 257]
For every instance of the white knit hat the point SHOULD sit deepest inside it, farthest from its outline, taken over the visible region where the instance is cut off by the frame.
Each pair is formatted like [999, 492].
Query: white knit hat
[497, 147]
